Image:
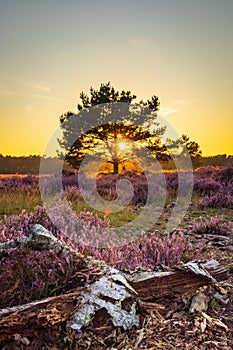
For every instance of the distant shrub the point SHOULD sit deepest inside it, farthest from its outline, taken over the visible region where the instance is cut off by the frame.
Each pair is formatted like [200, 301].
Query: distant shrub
[214, 225]
[206, 186]
[221, 199]
[206, 172]
[72, 194]
[14, 182]
[172, 181]
[225, 175]
[215, 185]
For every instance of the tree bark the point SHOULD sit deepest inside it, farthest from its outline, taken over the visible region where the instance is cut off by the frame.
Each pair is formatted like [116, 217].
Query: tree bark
[115, 166]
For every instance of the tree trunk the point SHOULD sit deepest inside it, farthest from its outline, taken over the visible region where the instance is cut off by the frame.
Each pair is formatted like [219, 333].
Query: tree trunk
[115, 166]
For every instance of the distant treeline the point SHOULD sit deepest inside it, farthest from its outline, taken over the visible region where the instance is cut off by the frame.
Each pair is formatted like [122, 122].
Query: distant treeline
[28, 164]
[218, 160]
[31, 164]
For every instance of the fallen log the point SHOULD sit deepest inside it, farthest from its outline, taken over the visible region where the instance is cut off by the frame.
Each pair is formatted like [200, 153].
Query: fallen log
[38, 238]
[182, 280]
[219, 272]
[114, 294]
[79, 308]
[24, 319]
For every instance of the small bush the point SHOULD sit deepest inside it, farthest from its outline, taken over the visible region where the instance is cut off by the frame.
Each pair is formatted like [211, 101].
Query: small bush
[221, 199]
[28, 275]
[151, 250]
[214, 226]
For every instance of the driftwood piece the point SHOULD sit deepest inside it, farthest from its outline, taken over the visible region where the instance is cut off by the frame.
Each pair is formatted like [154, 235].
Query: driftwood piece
[118, 302]
[219, 272]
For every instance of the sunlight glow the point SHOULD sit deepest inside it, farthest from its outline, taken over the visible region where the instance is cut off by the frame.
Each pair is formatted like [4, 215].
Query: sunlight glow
[123, 146]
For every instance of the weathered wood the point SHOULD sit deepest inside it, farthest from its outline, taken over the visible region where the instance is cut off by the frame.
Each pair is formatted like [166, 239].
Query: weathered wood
[47, 312]
[77, 309]
[183, 280]
[148, 286]
[219, 272]
[38, 238]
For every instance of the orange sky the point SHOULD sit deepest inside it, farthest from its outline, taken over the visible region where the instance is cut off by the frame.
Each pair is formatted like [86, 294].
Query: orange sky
[180, 51]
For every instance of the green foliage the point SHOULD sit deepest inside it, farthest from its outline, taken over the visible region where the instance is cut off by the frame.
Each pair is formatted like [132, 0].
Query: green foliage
[183, 147]
[192, 147]
[105, 94]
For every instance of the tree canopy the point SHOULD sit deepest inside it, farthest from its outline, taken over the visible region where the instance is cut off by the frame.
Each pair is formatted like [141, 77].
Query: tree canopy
[114, 139]
[192, 147]
[108, 125]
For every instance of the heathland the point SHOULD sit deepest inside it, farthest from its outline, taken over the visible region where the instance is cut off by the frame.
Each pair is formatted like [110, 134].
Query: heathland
[31, 275]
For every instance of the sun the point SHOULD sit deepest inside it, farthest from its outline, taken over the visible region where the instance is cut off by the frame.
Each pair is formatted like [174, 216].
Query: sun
[123, 146]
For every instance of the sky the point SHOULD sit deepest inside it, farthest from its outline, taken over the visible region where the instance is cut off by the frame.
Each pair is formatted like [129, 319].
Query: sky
[178, 50]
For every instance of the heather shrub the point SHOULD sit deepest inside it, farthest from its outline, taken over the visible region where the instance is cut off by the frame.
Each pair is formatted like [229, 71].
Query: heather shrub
[151, 250]
[225, 175]
[106, 186]
[86, 232]
[215, 225]
[84, 229]
[72, 194]
[94, 219]
[70, 181]
[206, 172]
[27, 275]
[221, 199]
[215, 185]
[18, 182]
[170, 250]
[172, 182]
[209, 181]
[15, 226]
[206, 186]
